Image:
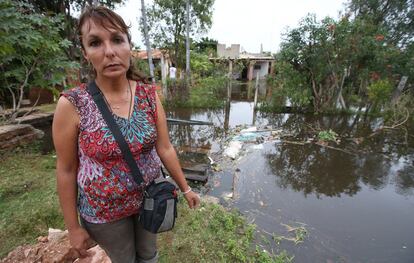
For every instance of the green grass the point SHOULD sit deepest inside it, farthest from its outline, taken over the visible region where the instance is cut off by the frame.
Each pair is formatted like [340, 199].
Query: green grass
[28, 200]
[213, 234]
[47, 107]
[29, 206]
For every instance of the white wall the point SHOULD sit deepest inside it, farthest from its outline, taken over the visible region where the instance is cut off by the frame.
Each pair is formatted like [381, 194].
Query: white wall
[263, 71]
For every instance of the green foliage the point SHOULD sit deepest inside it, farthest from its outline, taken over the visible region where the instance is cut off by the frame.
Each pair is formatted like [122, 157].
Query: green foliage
[62, 6]
[206, 46]
[32, 51]
[380, 91]
[338, 62]
[212, 234]
[201, 65]
[263, 256]
[326, 136]
[206, 93]
[142, 65]
[167, 20]
[395, 16]
[300, 232]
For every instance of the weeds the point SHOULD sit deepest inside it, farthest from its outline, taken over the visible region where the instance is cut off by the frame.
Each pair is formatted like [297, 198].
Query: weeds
[329, 135]
[206, 93]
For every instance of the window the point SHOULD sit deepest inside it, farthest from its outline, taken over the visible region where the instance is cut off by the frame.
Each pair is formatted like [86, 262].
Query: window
[257, 67]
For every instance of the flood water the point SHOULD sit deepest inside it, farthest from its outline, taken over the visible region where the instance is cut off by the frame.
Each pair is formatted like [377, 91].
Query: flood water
[354, 198]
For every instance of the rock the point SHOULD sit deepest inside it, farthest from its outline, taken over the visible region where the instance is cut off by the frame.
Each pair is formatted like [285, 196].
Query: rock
[97, 255]
[210, 199]
[42, 239]
[53, 249]
[18, 134]
[55, 235]
[36, 118]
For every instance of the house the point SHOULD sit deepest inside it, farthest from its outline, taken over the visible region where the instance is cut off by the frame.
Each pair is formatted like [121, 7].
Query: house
[255, 63]
[159, 57]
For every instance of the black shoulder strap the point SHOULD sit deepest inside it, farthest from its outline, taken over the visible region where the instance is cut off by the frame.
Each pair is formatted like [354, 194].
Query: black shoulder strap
[106, 114]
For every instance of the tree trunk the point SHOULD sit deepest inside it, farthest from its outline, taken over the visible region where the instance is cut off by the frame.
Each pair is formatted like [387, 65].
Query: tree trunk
[147, 42]
[397, 92]
[187, 48]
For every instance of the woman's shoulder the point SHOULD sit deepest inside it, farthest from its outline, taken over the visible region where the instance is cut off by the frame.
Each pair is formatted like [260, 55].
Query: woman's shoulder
[146, 88]
[76, 94]
[75, 91]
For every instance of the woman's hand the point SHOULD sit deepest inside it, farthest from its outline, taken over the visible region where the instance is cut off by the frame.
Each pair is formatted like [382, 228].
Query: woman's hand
[193, 199]
[80, 242]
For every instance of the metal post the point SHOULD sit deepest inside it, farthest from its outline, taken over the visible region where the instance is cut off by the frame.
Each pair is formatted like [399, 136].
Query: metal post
[256, 92]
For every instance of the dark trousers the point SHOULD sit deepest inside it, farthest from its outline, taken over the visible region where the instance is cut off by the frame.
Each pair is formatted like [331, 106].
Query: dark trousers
[124, 241]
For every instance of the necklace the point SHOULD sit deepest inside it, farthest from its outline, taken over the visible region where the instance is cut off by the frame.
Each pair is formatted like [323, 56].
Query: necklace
[119, 107]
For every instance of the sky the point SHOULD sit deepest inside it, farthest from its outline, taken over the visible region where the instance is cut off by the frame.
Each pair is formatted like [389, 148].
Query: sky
[246, 22]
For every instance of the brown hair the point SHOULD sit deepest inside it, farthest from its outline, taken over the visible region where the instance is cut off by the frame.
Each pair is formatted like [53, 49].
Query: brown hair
[107, 18]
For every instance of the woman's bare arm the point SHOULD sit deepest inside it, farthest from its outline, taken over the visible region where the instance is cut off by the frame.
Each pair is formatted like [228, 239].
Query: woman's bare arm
[169, 157]
[65, 136]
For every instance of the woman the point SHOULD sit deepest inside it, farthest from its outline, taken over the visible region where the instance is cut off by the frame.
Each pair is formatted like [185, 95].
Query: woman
[92, 176]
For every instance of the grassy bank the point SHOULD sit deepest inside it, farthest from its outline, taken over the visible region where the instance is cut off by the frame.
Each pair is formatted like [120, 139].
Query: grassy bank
[28, 201]
[29, 206]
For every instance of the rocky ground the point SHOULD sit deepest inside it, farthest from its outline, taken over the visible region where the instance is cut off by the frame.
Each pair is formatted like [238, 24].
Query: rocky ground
[54, 248]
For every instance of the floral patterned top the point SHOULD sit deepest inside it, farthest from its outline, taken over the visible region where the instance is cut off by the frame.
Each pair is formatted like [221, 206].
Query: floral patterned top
[106, 189]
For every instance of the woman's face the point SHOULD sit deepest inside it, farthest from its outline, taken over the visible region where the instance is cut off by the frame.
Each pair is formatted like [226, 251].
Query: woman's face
[107, 49]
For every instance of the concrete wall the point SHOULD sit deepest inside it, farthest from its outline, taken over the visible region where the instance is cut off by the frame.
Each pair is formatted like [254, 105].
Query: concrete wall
[228, 52]
[263, 71]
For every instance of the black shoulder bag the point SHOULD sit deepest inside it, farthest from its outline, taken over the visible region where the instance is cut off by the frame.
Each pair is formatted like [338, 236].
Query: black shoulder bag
[159, 208]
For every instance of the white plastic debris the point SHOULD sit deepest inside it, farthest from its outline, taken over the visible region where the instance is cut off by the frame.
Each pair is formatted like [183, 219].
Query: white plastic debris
[251, 129]
[233, 149]
[227, 196]
[257, 147]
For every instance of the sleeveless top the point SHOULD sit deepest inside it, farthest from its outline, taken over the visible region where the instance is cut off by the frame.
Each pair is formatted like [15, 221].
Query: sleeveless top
[106, 188]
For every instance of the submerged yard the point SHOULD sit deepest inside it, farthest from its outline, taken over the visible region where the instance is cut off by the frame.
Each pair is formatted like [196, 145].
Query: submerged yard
[29, 206]
[325, 188]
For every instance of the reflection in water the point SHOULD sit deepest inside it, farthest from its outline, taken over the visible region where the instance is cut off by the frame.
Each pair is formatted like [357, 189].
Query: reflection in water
[311, 168]
[358, 205]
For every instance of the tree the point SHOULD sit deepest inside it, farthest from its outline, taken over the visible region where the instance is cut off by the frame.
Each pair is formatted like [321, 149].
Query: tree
[187, 43]
[31, 51]
[334, 61]
[147, 41]
[167, 23]
[64, 7]
[395, 16]
[206, 45]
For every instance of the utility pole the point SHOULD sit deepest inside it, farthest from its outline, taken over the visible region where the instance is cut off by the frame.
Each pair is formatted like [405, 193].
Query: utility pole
[147, 42]
[187, 45]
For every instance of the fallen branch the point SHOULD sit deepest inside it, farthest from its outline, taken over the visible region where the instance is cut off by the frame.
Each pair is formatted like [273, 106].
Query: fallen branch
[296, 142]
[334, 148]
[399, 124]
[393, 127]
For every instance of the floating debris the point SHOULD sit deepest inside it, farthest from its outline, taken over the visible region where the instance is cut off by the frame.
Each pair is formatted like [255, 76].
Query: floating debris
[233, 149]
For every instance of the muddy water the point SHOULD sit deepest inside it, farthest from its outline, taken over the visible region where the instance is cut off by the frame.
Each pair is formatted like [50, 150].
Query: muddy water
[356, 203]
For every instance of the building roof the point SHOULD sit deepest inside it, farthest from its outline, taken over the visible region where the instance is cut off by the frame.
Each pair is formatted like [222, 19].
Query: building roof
[156, 54]
[256, 56]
